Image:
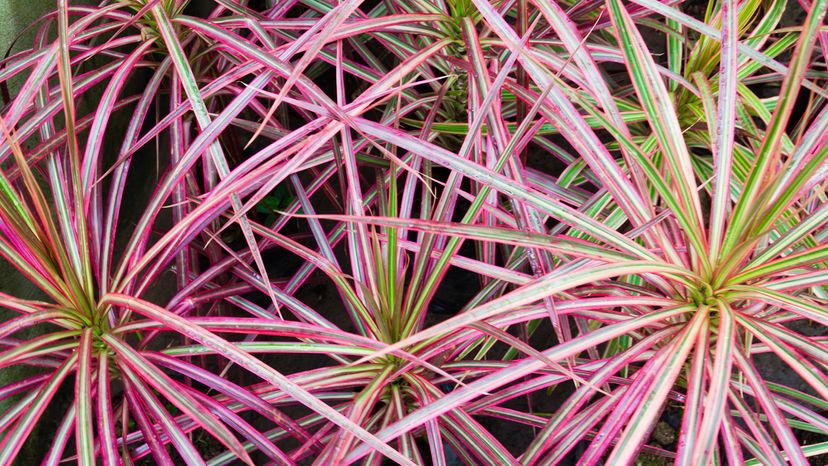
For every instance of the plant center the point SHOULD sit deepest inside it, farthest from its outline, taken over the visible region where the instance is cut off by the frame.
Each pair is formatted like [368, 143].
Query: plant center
[704, 295]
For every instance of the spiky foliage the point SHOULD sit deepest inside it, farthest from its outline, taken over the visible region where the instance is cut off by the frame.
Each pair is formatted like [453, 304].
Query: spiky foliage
[641, 230]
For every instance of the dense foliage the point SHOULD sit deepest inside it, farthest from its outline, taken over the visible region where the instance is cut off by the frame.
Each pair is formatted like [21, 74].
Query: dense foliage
[427, 232]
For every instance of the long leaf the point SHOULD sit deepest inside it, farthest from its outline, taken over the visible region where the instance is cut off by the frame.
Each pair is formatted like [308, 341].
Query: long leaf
[166, 387]
[174, 434]
[661, 113]
[84, 435]
[13, 441]
[514, 372]
[769, 152]
[559, 280]
[716, 397]
[252, 364]
[726, 126]
[106, 422]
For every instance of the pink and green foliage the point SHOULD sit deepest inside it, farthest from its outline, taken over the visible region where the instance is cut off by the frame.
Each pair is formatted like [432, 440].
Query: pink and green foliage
[395, 231]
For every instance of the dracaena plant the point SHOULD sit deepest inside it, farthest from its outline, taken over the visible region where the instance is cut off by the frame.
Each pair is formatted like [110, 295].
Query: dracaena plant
[677, 237]
[680, 277]
[154, 379]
